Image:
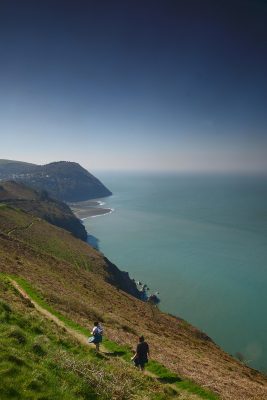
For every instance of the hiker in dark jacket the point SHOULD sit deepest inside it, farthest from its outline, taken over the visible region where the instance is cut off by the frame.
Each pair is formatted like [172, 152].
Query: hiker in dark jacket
[141, 355]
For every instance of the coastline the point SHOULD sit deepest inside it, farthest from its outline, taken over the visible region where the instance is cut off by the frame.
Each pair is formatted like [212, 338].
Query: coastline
[89, 209]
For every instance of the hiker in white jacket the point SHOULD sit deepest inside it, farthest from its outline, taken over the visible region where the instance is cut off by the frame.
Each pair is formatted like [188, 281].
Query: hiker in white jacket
[97, 333]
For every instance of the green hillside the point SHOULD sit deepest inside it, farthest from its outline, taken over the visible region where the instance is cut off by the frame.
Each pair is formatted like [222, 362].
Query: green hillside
[41, 205]
[40, 360]
[78, 285]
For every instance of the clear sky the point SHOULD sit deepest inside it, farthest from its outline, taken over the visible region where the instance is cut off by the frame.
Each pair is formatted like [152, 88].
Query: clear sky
[158, 85]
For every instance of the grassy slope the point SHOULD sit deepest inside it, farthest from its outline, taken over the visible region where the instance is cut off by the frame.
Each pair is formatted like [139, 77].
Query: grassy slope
[70, 281]
[41, 205]
[39, 360]
[185, 388]
[14, 190]
[45, 238]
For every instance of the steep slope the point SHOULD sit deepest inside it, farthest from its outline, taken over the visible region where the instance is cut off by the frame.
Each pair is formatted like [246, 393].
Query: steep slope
[75, 280]
[42, 360]
[41, 205]
[63, 180]
[47, 241]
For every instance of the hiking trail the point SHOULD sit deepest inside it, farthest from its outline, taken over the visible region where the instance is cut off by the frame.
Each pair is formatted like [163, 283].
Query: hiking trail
[20, 228]
[83, 339]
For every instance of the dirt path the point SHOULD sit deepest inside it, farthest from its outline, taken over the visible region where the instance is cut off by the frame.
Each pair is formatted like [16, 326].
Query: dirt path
[84, 339]
[47, 314]
[79, 336]
[20, 228]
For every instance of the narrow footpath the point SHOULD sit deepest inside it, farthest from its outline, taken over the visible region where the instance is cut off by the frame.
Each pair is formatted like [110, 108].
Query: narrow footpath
[83, 339]
[80, 337]
[20, 228]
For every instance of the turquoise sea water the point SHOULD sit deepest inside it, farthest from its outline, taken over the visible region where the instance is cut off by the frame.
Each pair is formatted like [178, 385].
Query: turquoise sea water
[201, 241]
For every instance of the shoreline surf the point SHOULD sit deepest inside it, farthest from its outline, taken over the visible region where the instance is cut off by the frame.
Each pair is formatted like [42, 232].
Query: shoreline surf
[89, 209]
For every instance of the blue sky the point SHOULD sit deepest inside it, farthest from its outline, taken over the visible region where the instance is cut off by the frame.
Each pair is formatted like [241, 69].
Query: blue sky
[140, 85]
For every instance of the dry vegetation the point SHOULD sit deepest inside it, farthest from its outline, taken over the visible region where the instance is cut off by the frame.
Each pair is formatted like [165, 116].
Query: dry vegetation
[71, 277]
[40, 360]
[41, 205]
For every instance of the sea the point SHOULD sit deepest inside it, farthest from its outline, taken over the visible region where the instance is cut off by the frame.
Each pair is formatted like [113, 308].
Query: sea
[200, 241]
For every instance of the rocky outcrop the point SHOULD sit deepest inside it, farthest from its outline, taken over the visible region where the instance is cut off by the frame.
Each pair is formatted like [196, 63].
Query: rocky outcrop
[121, 279]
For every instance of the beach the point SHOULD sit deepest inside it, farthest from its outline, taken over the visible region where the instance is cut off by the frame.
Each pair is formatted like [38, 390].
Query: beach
[89, 208]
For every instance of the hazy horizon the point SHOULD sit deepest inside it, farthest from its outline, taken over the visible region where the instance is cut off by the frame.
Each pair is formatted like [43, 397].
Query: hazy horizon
[138, 85]
[163, 171]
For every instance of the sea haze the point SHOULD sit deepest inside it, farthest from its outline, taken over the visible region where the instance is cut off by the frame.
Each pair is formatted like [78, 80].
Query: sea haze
[201, 241]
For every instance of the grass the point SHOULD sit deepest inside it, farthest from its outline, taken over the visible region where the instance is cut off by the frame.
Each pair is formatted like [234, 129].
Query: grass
[47, 240]
[191, 387]
[12, 218]
[35, 296]
[43, 237]
[83, 296]
[111, 346]
[38, 360]
[166, 376]
[28, 369]
[118, 350]
[163, 374]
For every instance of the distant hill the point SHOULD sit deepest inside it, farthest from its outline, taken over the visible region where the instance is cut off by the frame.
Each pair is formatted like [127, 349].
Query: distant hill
[11, 167]
[41, 205]
[63, 180]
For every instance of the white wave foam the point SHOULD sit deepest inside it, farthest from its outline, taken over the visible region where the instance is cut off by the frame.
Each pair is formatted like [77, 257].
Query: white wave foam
[111, 210]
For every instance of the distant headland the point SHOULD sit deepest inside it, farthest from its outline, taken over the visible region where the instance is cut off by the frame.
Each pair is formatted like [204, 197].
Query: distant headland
[63, 180]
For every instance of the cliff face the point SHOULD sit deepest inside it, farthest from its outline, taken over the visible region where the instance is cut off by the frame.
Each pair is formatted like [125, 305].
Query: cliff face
[63, 180]
[121, 279]
[41, 205]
